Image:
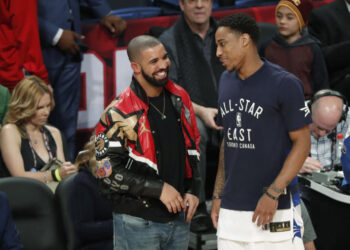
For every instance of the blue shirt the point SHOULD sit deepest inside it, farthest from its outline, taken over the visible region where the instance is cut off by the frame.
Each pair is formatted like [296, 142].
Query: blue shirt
[257, 114]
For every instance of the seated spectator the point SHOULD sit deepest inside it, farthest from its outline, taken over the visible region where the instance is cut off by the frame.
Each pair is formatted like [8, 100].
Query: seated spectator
[4, 99]
[27, 143]
[330, 118]
[91, 214]
[330, 24]
[9, 236]
[294, 49]
[20, 51]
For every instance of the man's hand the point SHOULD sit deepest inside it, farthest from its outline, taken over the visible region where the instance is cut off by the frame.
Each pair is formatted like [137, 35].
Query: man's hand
[310, 165]
[114, 24]
[192, 202]
[172, 199]
[208, 117]
[215, 208]
[265, 210]
[67, 42]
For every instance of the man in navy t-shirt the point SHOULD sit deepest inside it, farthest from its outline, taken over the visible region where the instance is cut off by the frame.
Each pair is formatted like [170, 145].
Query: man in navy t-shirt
[266, 141]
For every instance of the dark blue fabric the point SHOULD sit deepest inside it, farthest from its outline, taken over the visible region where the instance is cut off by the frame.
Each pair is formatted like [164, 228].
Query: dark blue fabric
[64, 69]
[345, 162]
[66, 84]
[257, 114]
[9, 237]
[91, 214]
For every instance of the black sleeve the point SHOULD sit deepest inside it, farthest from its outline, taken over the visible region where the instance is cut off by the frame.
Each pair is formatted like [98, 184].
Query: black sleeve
[319, 74]
[132, 177]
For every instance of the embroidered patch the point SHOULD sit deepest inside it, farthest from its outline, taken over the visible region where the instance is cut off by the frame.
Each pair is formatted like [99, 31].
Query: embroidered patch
[101, 145]
[104, 168]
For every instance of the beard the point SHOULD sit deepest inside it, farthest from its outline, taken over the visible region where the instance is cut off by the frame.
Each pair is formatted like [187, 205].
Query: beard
[156, 82]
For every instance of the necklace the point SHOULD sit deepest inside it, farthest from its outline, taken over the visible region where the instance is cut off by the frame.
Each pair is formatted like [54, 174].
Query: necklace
[162, 114]
[46, 143]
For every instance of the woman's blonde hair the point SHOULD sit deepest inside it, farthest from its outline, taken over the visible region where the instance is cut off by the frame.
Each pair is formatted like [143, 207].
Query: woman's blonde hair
[24, 101]
[88, 157]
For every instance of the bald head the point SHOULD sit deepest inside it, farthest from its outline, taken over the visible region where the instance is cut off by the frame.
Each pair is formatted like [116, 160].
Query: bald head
[326, 113]
[328, 107]
[139, 43]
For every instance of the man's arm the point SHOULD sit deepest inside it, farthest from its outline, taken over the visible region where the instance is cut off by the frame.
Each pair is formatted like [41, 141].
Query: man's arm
[267, 206]
[218, 188]
[207, 115]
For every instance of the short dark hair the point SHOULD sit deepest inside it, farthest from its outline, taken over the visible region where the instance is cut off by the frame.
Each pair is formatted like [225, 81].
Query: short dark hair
[241, 23]
[139, 43]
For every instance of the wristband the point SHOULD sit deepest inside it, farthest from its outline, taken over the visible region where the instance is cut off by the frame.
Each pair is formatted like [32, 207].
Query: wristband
[216, 197]
[271, 196]
[53, 175]
[57, 174]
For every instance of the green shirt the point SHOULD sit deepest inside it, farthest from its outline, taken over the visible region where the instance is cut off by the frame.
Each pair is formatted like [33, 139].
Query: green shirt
[4, 100]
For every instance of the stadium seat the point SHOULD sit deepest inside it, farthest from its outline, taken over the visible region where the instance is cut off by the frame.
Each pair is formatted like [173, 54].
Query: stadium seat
[138, 12]
[62, 196]
[266, 32]
[34, 212]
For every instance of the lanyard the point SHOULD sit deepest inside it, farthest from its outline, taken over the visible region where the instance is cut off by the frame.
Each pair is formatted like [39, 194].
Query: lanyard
[46, 142]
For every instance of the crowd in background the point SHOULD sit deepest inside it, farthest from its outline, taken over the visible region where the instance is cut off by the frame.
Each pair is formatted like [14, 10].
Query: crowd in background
[40, 60]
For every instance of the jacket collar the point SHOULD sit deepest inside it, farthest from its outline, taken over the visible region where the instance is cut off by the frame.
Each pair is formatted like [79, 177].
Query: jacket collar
[141, 93]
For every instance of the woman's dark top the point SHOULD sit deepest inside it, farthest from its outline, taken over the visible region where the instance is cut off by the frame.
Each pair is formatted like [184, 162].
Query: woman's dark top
[91, 214]
[27, 155]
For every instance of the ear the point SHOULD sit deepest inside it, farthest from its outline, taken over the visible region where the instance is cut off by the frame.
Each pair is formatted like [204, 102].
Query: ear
[136, 67]
[181, 3]
[245, 39]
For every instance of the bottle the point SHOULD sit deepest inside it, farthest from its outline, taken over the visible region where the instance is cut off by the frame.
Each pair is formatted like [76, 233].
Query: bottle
[339, 148]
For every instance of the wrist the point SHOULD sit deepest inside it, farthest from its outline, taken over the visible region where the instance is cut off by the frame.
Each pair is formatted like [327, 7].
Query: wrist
[216, 196]
[45, 177]
[275, 198]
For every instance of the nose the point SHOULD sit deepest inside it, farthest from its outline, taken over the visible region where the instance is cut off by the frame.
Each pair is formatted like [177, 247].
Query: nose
[199, 3]
[321, 132]
[218, 52]
[165, 63]
[282, 19]
[47, 111]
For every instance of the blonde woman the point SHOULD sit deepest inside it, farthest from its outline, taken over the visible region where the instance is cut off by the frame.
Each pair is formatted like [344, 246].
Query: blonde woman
[27, 143]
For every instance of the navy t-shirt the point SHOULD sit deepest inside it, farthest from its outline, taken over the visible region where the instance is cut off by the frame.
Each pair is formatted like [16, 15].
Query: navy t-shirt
[257, 114]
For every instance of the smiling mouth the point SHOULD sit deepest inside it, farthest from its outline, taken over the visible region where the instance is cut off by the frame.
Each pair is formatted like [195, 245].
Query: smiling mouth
[161, 74]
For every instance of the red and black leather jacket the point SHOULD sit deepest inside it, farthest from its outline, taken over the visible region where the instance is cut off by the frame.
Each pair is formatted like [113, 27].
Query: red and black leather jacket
[125, 140]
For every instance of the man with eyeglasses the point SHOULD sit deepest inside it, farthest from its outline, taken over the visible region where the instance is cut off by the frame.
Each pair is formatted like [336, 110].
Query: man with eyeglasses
[190, 43]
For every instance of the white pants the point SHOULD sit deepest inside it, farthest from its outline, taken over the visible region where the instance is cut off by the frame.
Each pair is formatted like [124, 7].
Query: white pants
[224, 244]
